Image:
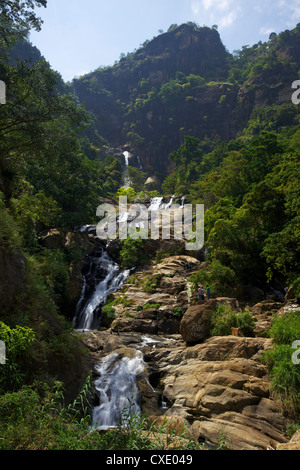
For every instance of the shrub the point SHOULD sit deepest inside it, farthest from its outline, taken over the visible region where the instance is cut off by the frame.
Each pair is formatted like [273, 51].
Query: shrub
[219, 277]
[109, 312]
[286, 329]
[37, 418]
[10, 237]
[132, 253]
[156, 306]
[225, 318]
[178, 312]
[17, 341]
[222, 321]
[121, 300]
[285, 374]
[151, 283]
[246, 323]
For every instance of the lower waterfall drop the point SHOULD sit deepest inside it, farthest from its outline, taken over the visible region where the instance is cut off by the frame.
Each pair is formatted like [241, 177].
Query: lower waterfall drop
[102, 277]
[118, 391]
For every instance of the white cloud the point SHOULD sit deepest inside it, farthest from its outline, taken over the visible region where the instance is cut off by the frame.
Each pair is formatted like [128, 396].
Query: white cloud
[266, 31]
[196, 7]
[216, 4]
[228, 19]
[221, 12]
[290, 11]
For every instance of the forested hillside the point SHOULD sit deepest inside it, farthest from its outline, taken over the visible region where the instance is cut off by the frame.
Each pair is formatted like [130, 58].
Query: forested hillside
[220, 129]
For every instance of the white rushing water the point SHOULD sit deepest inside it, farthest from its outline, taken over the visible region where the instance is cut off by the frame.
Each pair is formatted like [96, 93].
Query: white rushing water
[117, 390]
[127, 181]
[156, 203]
[116, 386]
[112, 279]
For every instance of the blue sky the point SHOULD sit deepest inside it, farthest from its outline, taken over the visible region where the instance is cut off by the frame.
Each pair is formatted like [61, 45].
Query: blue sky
[78, 36]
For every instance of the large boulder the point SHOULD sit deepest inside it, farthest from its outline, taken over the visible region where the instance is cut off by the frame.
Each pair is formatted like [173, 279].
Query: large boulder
[195, 324]
[268, 307]
[52, 239]
[81, 240]
[290, 293]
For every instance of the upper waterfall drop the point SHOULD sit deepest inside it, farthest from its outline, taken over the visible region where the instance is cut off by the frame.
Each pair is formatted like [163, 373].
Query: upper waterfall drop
[126, 156]
[127, 181]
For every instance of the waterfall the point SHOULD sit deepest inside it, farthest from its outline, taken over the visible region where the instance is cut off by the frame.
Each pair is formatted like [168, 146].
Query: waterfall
[127, 181]
[102, 277]
[117, 385]
[140, 163]
[156, 203]
[170, 203]
[117, 390]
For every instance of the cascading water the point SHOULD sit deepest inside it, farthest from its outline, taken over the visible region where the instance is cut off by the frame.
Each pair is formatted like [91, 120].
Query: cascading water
[127, 181]
[116, 386]
[118, 391]
[155, 204]
[102, 277]
[170, 203]
[140, 163]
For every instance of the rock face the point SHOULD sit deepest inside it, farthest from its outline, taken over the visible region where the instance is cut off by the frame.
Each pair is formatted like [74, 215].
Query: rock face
[195, 325]
[84, 242]
[221, 388]
[154, 301]
[216, 387]
[217, 390]
[294, 443]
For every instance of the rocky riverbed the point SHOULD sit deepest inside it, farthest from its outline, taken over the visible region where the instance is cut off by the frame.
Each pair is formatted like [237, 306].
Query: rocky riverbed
[215, 387]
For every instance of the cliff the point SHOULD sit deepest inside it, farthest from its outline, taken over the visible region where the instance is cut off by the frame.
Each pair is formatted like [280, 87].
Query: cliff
[185, 82]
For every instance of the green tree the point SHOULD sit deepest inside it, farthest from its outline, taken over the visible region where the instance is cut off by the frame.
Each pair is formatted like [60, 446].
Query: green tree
[20, 16]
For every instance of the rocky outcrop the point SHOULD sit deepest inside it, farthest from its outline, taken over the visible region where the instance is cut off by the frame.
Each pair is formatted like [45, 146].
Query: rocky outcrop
[264, 312]
[195, 324]
[217, 391]
[153, 301]
[220, 389]
[217, 388]
[81, 242]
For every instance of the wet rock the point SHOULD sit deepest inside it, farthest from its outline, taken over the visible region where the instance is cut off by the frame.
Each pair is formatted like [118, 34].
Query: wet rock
[81, 240]
[290, 295]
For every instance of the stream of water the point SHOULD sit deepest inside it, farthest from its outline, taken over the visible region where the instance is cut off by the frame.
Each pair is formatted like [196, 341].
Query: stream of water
[117, 390]
[102, 277]
[117, 383]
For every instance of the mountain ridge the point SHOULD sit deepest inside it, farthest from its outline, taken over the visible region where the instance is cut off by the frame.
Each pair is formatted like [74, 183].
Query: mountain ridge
[185, 82]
